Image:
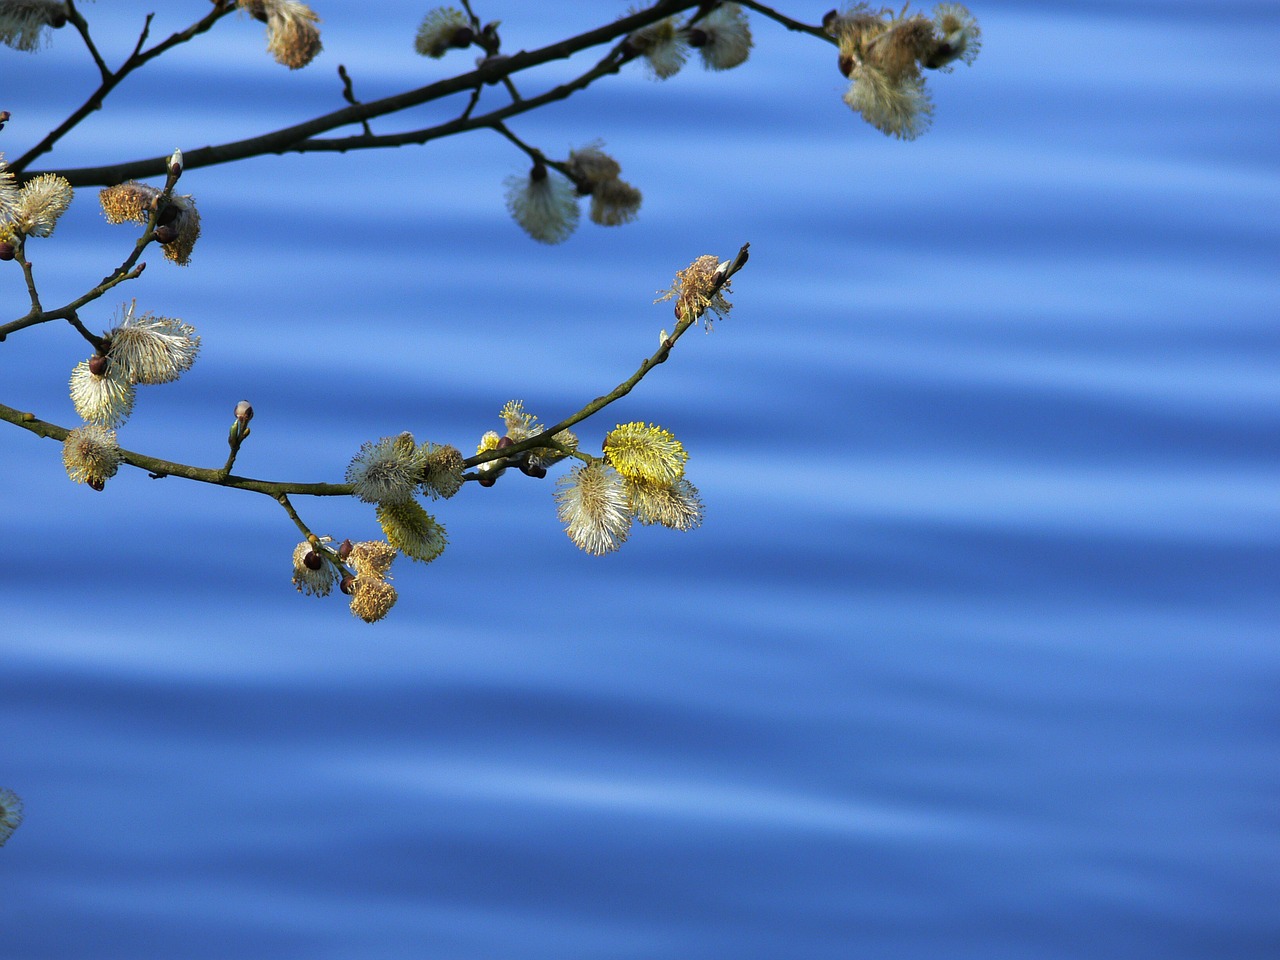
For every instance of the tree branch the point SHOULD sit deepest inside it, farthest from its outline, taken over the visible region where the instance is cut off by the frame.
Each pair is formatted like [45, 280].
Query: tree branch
[287, 139]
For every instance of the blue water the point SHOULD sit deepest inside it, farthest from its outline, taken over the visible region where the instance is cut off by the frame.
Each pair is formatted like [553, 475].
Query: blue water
[975, 655]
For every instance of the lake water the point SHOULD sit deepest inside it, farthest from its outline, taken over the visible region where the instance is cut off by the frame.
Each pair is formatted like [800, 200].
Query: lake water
[975, 655]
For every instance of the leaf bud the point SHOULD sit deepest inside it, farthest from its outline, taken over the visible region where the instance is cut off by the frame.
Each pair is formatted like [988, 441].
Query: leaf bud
[487, 481]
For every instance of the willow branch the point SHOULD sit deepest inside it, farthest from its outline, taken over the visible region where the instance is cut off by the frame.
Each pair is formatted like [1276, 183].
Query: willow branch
[287, 139]
[168, 468]
[539, 440]
[221, 477]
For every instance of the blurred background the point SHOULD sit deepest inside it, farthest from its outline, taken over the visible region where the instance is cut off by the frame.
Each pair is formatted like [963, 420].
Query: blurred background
[973, 657]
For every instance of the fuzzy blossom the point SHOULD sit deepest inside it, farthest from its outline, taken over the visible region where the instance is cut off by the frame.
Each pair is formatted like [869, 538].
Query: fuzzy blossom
[129, 201]
[614, 203]
[40, 202]
[545, 206]
[645, 452]
[442, 470]
[593, 505]
[902, 109]
[183, 220]
[412, 530]
[101, 393]
[959, 36]
[10, 814]
[91, 455]
[882, 53]
[698, 289]
[22, 22]
[8, 192]
[675, 505]
[546, 456]
[722, 37]
[372, 598]
[491, 469]
[386, 471]
[372, 558]
[150, 349]
[177, 226]
[591, 166]
[520, 423]
[663, 46]
[312, 574]
[292, 36]
[441, 29]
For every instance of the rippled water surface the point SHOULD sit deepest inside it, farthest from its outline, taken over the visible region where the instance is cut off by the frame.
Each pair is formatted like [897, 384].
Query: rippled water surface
[975, 655]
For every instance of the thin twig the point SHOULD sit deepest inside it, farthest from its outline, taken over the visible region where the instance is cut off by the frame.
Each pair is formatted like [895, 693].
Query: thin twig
[786, 21]
[349, 95]
[82, 27]
[111, 80]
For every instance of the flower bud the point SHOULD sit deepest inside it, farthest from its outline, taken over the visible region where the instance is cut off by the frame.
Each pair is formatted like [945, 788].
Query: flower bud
[244, 411]
[97, 364]
[97, 483]
[347, 584]
[505, 442]
[344, 549]
[312, 560]
[535, 470]
[175, 164]
[487, 481]
[7, 250]
[166, 234]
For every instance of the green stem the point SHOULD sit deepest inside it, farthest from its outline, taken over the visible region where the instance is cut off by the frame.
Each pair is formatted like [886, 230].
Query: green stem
[167, 468]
